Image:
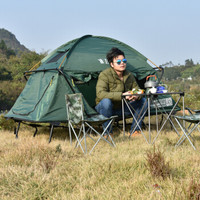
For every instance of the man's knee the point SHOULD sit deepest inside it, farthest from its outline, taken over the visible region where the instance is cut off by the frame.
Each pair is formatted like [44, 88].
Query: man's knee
[106, 103]
[144, 103]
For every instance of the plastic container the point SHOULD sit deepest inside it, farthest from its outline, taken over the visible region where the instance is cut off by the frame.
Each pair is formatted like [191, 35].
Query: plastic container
[161, 89]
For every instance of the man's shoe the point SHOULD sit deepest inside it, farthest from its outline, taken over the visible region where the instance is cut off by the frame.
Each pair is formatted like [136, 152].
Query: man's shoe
[136, 133]
[106, 136]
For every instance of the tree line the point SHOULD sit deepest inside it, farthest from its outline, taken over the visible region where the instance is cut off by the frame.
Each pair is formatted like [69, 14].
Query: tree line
[12, 67]
[182, 71]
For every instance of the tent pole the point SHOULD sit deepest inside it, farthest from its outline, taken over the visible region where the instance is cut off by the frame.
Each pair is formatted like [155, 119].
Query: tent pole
[67, 80]
[154, 64]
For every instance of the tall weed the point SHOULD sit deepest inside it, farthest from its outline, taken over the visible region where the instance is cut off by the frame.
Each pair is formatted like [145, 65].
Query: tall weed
[193, 191]
[157, 165]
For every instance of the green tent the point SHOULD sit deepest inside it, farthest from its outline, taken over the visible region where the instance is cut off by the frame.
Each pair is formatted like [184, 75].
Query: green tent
[71, 68]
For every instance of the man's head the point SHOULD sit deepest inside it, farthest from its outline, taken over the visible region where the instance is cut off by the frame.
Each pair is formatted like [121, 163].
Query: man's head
[113, 53]
[116, 59]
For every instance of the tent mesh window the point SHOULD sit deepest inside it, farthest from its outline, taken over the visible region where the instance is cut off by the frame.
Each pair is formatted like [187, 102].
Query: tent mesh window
[55, 58]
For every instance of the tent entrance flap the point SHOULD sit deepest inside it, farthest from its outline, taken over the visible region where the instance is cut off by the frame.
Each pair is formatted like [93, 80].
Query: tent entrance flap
[89, 91]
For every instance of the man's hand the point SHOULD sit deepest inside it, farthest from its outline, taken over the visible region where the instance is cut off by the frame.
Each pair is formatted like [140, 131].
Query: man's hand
[130, 97]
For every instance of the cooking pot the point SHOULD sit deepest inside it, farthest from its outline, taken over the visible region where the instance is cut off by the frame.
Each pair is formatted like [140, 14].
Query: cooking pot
[151, 84]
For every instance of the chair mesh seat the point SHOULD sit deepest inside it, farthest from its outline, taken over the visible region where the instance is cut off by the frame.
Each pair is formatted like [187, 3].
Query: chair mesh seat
[190, 118]
[96, 118]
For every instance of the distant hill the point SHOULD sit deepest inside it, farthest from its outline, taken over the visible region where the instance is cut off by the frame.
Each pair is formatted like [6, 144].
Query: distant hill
[11, 41]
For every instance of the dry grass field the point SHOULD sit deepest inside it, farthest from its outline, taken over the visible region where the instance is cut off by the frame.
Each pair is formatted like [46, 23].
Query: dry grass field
[31, 168]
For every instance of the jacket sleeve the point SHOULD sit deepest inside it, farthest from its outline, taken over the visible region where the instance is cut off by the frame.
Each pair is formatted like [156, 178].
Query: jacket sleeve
[134, 83]
[102, 89]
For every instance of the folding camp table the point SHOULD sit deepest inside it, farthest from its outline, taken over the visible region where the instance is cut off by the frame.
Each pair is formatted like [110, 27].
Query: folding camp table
[159, 105]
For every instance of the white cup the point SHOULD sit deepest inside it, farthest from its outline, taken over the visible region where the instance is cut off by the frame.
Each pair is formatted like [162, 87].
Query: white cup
[152, 90]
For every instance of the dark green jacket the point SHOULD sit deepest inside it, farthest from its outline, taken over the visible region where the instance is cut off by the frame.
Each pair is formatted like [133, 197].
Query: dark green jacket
[110, 86]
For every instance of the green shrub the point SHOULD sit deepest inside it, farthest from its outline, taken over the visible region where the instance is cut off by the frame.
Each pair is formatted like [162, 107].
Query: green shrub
[6, 124]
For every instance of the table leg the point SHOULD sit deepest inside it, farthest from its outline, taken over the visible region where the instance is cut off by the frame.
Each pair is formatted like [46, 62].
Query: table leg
[168, 118]
[149, 117]
[123, 117]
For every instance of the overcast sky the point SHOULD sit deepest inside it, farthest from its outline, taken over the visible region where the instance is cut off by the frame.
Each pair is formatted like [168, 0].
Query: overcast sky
[162, 30]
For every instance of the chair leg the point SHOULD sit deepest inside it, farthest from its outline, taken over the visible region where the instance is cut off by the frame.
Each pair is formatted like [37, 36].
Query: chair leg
[185, 135]
[102, 134]
[188, 132]
[84, 135]
[70, 133]
[77, 138]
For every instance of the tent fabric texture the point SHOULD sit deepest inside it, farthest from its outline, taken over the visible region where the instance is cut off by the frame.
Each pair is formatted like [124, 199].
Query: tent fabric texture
[73, 67]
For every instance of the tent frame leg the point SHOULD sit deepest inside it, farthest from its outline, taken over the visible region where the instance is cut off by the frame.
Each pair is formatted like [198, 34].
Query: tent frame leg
[36, 126]
[17, 130]
[51, 132]
[36, 130]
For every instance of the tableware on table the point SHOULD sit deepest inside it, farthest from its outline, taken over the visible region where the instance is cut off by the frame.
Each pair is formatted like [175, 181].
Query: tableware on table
[150, 83]
[161, 89]
[153, 90]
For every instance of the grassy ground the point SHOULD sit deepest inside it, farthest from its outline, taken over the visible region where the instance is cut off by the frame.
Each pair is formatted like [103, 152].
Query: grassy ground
[30, 168]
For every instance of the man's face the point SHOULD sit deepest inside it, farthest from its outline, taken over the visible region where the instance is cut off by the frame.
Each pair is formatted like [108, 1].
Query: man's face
[119, 63]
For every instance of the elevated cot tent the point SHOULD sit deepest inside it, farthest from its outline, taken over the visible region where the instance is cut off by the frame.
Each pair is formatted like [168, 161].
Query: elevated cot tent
[71, 68]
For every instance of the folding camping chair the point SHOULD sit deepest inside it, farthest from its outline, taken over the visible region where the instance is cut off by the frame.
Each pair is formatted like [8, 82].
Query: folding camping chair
[193, 119]
[77, 117]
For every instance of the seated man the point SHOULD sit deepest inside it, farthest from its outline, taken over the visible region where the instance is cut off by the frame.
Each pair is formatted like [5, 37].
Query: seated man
[112, 84]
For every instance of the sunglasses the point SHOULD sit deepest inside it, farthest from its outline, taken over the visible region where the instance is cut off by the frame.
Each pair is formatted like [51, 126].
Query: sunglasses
[123, 60]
